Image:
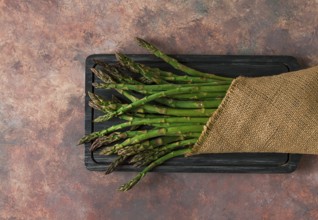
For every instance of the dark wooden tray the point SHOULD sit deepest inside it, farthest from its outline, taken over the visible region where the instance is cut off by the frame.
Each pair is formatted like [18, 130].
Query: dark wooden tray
[223, 65]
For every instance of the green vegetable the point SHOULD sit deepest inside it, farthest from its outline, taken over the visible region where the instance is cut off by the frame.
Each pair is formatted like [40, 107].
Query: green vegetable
[157, 162]
[173, 62]
[163, 117]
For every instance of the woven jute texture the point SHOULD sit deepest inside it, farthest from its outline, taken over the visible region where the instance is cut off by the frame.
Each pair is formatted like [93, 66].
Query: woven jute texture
[265, 114]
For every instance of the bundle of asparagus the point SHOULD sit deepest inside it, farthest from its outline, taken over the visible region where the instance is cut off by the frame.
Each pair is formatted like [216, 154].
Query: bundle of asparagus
[174, 107]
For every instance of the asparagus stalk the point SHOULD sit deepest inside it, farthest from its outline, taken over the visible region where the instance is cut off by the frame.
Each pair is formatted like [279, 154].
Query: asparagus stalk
[190, 104]
[152, 144]
[115, 164]
[199, 96]
[149, 156]
[97, 107]
[117, 74]
[148, 145]
[150, 121]
[104, 140]
[192, 96]
[217, 86]
[175, 64]
[175, 111]
[153, 97]
[166, 125]
[141, 68]
[92, 136]
[140, 116]
[202, 108]
[171, 131]
[157, 162]
[97, 99]
[102, 76]
[105, 108]
[156, 73]
[187, 79]
[138, 68]
[99, 103]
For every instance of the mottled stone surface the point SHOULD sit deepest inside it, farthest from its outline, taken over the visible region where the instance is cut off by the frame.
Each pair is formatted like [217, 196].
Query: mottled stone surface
[43, 46]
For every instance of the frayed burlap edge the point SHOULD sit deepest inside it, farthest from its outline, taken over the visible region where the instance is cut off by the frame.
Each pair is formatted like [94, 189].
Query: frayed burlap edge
[207, 128]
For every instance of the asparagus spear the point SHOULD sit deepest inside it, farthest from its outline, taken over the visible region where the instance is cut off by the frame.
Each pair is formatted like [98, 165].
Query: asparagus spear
[92, 136]
[97, 99]
[147, 145]
[105, 108]
[97, 102]
[156, 73]
[187, 79]
[166, 125]
[140, 116]
[200, 108]
[147, 157]
[213, 103]
[157, 162]
[102, 76]
[98, 107]
[113, 137]
[202, 112]
[174, 63]
[138, 68]
[152, 144]
[199, 96]
[153, 97]
[203, 108]
[171, 131]
[150, 121]
[115, 164]
[116, 74]
[191, 96]
[218, 86]
[141, 68]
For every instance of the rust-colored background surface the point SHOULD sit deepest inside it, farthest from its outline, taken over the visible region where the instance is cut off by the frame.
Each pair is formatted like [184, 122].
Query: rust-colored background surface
[43, 46]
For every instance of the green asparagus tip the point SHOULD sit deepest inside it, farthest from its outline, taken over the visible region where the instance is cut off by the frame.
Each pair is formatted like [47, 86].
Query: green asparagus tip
[136, 158]
[98, 85]
[107, 151]
[90, 94]
[131, 183]
[144, 80]
[126, 61]
[145, 44]
[103, 118]
[95, 106]
[123, 60]
[88, 138]
[102, 76]
[155, 163]
[82, 140]
[115, 164]
[120, 57]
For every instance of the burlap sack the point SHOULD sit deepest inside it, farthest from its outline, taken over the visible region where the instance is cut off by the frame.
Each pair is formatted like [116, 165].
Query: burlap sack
[266, 114]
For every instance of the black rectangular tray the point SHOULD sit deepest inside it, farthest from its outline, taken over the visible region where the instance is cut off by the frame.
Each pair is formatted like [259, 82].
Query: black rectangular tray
[231, 66]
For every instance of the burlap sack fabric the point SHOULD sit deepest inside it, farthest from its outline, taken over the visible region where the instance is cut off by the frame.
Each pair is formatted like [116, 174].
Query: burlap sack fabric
[266, 114]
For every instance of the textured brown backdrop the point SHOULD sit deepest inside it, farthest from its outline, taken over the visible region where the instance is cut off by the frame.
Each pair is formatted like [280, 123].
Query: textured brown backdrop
[43, 46]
